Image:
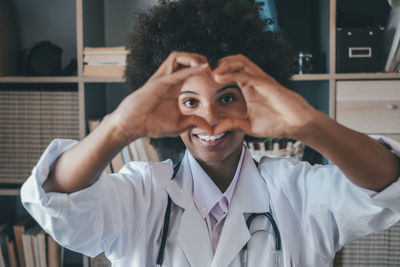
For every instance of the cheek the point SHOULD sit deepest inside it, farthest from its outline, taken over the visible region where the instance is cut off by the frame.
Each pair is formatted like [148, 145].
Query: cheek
[185, 136]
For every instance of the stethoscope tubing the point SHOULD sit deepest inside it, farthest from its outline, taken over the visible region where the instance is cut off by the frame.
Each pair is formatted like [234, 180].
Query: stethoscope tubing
[160, 257]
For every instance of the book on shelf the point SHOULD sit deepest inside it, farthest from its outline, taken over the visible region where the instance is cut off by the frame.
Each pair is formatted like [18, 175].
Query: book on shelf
[138, 151]
[104, 50]
[118, 161]
[39, 249]
[11, 248]
[116, 71]
[142, 150]
[4, 259]
[104, 61]
[105, 58]
[54, 252]
[126, 155]
[97, 55]
[151, 152]
[19, 229]
[34, 242]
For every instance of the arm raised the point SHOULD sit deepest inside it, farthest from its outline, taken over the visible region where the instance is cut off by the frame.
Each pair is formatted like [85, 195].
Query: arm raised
[152, 111]
[275, 111]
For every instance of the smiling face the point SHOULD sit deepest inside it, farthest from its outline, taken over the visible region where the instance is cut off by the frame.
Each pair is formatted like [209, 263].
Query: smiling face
[202, 96]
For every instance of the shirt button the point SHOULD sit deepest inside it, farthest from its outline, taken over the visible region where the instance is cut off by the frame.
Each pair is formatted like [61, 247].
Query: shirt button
[204, 211]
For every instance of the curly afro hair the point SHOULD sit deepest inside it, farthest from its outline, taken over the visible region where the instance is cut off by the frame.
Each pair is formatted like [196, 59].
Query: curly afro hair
[213, 28]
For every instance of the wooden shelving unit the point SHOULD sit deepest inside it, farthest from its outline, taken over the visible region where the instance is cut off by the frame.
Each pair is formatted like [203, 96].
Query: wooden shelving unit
[94, 26]
[94, 89]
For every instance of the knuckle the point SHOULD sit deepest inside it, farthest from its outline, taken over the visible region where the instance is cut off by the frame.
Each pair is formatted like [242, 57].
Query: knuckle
[241, 56]
[174, 54]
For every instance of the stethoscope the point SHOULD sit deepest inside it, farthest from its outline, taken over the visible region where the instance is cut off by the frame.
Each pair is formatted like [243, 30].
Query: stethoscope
[268, 215]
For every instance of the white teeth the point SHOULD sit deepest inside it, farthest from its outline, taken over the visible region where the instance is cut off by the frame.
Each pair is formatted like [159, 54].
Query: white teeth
[211, 137]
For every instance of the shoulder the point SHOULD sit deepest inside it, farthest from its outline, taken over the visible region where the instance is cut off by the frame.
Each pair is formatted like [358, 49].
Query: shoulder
[147, 172]
[278, 168]
[291, 173]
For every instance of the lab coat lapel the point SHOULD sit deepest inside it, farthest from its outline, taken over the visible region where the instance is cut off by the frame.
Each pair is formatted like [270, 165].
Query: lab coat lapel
[193, 235]
[250, 196]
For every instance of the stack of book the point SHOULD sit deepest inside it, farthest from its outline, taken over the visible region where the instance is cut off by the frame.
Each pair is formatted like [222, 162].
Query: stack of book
[104, 61]
[25, 244]
[140, 150]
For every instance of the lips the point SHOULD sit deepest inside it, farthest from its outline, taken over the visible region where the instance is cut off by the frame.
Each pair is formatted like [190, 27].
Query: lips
[210, 140]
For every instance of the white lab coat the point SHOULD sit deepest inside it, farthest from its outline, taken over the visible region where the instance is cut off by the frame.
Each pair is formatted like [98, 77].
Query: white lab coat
[316, 208]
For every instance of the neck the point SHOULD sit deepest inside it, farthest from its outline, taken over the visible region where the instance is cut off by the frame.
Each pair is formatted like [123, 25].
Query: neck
[222, 172]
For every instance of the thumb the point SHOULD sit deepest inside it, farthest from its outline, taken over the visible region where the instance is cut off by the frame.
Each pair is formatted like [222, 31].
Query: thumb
[194, 121]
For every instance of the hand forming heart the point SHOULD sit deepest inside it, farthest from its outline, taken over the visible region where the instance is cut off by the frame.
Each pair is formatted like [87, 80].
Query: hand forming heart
[153, 110]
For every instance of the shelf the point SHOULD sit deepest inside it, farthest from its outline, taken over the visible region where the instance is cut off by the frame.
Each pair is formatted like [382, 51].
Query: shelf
[296, 77]
[103, 80]
[368, 76]
[310, 77]
[346, 76]
[27, 79]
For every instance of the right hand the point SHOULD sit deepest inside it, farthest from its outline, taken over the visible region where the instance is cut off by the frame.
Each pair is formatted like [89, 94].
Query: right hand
[153, 109]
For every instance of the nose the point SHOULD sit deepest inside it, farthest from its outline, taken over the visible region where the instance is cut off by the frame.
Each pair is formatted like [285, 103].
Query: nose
[211, 114]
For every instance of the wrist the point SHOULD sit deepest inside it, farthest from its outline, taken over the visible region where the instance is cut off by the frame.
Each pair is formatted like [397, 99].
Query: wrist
[116, 132]
[311, 131]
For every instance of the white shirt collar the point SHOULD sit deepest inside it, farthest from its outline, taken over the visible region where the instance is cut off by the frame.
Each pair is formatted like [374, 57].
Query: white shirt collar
[205, 193]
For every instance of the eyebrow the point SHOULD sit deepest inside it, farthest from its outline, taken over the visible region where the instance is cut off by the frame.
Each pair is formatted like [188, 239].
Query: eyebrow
[234, 86]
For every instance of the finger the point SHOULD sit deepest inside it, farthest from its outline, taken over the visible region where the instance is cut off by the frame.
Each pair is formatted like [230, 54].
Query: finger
[190, 60]
[237, 63]
[226, 67]
[228, 124]
[195, 121]
[242, 79]
[183, 74]
[177, 60]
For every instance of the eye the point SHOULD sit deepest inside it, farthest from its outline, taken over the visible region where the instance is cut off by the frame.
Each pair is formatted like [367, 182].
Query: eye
[190, 102]
[226, 99]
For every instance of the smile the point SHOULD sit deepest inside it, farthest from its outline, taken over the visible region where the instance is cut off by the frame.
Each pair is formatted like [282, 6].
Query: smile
[211, 137]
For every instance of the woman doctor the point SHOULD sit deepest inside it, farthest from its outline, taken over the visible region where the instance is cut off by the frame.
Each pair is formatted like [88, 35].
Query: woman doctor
[217, 185]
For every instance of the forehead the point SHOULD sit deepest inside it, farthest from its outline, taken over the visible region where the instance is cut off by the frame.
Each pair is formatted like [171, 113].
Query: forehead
[201, 83]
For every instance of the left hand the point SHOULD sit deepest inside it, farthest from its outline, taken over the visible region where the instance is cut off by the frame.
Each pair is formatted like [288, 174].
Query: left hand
[272, 109]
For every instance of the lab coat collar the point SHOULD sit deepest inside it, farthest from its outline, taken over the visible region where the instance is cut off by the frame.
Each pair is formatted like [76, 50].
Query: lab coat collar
[250, 196]
[193, 235]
